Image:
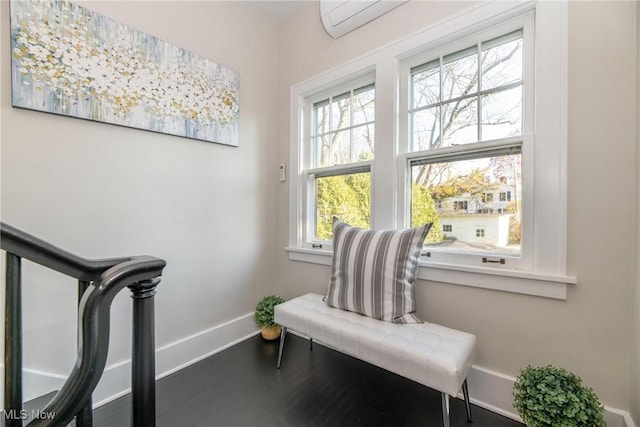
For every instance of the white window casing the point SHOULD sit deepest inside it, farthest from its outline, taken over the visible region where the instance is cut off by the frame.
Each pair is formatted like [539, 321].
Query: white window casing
[541, 271]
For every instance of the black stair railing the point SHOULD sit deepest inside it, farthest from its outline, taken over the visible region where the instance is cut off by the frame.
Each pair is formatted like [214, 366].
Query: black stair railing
[98, 283]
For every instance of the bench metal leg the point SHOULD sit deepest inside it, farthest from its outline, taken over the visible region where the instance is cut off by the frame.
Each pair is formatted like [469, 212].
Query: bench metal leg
[283, 334]
[445, 410]
[465, 391]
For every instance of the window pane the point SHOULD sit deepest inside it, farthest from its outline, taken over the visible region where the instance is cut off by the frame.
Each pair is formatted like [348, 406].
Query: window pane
[321, 110]
[341, 111]
[363, 138]
[502, 64]
[344, 128]
[322, 145]
[363, 106]
[425, 87]
[340, 148]
[460, 122]
[455, 194]
[460, 74]
[345, 196]
[425, 127]
[502, 114]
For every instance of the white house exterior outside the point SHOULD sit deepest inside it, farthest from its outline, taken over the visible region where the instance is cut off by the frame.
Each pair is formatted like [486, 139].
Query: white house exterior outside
[481, 229]
[482, 220]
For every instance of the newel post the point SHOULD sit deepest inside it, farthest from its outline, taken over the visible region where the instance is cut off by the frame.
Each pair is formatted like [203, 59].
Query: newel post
[143, 370]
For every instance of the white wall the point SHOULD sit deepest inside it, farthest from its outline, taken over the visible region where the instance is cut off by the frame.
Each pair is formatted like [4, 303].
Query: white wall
[589, 332]
[100, 190]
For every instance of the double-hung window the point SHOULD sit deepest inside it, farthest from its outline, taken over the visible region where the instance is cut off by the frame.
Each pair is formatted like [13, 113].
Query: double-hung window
[341, 149]
[468, 118]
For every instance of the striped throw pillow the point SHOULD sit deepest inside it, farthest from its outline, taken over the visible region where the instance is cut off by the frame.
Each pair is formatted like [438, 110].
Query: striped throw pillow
[373, 271]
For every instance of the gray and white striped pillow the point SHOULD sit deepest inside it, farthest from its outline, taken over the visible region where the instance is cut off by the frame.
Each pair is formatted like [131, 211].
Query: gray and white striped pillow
[373, 271]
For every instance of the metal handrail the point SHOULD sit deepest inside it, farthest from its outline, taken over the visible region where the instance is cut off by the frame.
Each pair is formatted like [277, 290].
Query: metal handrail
[100, 280]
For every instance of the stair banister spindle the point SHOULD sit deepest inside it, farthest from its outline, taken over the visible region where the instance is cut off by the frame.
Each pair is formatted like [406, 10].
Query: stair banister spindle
[13, 342]
[84, 418]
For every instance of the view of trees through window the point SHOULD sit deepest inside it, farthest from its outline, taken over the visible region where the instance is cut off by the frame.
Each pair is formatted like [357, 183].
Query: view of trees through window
[468, 195]
[345, 196]
[343, 138]
[457, 102]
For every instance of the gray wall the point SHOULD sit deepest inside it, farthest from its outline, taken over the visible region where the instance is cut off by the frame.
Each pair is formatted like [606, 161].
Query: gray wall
[590, 332]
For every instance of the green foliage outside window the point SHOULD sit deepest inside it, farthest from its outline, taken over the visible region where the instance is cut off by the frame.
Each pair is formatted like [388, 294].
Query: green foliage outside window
[345, 196]
[349, 198]
[423, 210]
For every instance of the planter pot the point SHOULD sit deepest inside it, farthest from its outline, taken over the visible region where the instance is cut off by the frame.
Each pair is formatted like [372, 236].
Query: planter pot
[271, 333]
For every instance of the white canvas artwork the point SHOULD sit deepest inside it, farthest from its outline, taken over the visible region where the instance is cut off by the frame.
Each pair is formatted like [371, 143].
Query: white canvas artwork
[69, 60]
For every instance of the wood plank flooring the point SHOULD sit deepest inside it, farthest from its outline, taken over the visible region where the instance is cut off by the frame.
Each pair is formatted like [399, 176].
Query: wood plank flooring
[241, 386]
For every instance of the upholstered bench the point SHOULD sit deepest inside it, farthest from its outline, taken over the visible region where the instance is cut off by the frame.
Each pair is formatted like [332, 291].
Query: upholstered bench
[429, 354]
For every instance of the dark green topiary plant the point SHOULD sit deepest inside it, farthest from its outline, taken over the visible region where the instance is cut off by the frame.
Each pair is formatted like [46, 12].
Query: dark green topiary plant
[264, 310]
[550, 396]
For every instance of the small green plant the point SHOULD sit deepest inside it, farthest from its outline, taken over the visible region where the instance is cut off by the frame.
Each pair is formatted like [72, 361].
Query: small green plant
[550, 396]
[264, 310]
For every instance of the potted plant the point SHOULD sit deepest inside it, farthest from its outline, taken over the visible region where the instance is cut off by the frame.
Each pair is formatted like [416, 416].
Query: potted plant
[550, 396]
[264, 316]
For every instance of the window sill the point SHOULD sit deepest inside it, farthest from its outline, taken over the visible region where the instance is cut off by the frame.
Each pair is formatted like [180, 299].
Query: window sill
[515, 281]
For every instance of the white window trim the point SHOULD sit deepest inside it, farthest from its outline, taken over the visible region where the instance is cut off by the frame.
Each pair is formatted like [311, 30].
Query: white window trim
[548, 276]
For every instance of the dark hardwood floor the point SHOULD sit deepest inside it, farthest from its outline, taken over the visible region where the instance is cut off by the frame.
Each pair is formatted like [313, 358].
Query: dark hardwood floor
[241, 386]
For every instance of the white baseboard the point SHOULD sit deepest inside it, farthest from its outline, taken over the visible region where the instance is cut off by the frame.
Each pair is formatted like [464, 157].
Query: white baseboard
[492, 391]
[37, 383]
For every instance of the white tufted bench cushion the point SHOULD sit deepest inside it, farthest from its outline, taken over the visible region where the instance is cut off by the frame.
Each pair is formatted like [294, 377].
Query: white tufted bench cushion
[429, 354]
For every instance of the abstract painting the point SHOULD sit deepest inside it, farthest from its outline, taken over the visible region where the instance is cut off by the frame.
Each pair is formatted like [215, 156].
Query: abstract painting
[72, 61]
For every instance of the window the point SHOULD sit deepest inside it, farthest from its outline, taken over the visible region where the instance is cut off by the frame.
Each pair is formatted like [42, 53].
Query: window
[465, 119]
[342, 147]
[460, 205]
[463, 138]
